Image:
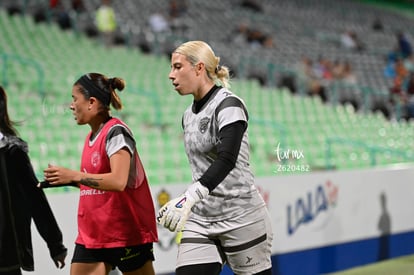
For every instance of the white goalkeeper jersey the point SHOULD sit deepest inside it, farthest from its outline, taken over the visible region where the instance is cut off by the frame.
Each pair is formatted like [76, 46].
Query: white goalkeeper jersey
[236, 194]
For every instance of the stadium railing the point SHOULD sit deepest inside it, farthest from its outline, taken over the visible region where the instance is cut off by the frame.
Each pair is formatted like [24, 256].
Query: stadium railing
[373, 151]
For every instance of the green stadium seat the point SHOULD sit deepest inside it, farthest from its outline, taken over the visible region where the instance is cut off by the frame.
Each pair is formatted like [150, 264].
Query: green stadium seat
[153, 109]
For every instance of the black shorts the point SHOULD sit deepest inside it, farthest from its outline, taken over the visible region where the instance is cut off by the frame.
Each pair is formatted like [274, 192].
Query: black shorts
[125, 258]
[11, 272]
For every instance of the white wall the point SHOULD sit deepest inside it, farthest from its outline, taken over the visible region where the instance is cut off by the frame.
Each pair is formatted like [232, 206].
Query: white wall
[309, 210]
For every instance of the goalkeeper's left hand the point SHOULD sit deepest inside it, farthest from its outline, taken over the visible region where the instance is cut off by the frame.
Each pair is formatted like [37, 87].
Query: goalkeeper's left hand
[174, 213]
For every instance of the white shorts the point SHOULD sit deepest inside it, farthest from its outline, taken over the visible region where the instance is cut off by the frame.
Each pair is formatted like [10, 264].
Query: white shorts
[244, 242]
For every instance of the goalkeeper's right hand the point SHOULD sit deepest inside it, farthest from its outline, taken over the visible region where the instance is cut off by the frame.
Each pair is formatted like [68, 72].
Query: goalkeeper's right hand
[174, 213]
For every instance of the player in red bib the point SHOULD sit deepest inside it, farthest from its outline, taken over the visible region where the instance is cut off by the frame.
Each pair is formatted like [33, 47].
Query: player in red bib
[116, 216]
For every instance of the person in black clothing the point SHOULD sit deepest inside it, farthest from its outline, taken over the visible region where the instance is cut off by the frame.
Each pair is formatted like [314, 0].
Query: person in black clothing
[20, 202]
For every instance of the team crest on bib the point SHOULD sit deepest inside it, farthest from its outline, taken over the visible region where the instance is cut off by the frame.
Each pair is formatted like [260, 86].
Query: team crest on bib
[202, 126]
[95, 159]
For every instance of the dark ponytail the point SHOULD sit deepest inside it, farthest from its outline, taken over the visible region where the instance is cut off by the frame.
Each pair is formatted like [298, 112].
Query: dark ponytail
[7, 126]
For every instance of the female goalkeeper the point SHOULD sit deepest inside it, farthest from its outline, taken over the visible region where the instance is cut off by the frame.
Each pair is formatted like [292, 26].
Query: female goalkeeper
[222, 216]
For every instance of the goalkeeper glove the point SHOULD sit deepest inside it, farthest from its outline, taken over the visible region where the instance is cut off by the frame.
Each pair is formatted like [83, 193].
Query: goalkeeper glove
[174, 213]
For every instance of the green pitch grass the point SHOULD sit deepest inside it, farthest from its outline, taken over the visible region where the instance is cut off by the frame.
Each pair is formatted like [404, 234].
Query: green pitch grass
[397, 266]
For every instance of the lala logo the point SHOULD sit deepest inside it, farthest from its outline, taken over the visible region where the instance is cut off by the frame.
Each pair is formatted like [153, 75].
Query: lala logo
[310, 209]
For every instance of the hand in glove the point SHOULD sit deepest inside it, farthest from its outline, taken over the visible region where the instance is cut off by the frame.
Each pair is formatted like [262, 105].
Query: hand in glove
[174, 213]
